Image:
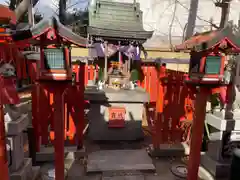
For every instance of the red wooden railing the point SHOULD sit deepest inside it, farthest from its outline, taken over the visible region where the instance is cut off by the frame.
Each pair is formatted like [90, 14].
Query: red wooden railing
[176, 96]
[177, 105]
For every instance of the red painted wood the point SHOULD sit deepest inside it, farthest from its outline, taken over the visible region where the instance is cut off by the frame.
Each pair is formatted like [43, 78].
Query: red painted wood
[3, 155]
[59, 131]
[80, 112]
[35, 116]
[197, 132]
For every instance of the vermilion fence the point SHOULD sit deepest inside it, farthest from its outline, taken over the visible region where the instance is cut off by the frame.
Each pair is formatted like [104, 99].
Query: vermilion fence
[175, 96]
[177, 105]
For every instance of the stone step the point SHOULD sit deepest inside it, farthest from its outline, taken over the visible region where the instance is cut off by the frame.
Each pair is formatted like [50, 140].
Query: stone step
[165, 150]
[46, 154]
[35, 173]
[48, 169]
[138, 177]
[24, 172]
[119, 160]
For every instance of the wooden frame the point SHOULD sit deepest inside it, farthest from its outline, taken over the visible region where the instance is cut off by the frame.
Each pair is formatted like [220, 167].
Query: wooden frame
[55, 74]
[201, 77]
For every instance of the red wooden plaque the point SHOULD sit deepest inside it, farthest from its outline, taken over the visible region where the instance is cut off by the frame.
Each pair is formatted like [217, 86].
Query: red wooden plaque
[116, 117]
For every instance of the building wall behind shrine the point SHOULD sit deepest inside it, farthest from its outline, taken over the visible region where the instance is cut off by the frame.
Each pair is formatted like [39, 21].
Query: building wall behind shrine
[152, 54]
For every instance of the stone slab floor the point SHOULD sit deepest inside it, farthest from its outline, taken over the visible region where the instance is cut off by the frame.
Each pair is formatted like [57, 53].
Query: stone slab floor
[77, 169]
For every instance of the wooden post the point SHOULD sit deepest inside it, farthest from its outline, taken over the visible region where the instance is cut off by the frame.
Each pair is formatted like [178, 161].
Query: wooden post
[197, 133]
[3, 155]
[129, 65]
[59, 130]
[106, 61]
[157, 136]
[35, 115]
[80, 117]
[119, 57]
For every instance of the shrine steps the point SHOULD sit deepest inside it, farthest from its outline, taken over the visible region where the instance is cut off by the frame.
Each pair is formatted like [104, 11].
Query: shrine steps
[119, 160]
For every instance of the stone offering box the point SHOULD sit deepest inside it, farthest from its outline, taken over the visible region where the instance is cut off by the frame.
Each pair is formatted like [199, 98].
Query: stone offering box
[116, 114]
[224, 137]
[20, 168]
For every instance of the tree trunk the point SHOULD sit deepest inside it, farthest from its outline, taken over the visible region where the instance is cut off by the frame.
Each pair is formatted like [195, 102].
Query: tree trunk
[225, 13]
[62, 11]
[21, 7]
[191, 18]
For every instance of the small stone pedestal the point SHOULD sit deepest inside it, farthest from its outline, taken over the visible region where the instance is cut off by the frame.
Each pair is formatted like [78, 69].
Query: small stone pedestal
[224, 137]
[20, 168]
[133, 103]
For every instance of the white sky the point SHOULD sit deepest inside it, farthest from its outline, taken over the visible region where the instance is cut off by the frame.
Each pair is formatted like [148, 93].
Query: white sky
[158, 14]
[49, 7]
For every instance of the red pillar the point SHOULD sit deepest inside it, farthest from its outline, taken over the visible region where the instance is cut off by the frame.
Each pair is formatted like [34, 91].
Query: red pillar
[35, 115]
[157, 136]
[157, 139]
[197, 133]
[59, 129]
[81, 88]
[3, 155]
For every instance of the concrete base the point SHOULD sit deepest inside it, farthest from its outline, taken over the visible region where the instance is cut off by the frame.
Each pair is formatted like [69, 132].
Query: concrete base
[166, 150]
[217, 169]
[79, 154]
[98, 123]
[50, 167]
[139, 177]
[24, 173]
[46, 154]
[98, 115]
[119, 160]
[35, 173]
[14, 127]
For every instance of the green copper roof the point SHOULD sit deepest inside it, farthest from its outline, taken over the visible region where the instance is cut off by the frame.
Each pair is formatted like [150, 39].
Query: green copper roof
[115, 19]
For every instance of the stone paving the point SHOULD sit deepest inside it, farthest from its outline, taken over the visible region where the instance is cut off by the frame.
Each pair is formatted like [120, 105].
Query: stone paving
[77, 169]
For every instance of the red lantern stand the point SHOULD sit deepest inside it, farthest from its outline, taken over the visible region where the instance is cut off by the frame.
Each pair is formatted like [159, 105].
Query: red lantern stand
[57, 82]
[54, 74]
[205, 49]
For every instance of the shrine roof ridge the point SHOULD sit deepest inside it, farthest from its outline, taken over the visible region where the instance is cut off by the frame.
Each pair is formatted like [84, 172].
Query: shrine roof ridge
[211, 39]
[118, 20]
[43, 27]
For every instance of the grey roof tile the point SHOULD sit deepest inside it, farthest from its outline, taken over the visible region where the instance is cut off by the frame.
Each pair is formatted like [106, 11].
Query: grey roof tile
[108, 18]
